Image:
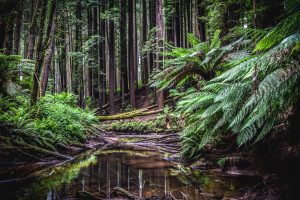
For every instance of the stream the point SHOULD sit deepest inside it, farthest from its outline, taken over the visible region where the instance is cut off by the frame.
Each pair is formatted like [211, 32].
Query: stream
[143, 173]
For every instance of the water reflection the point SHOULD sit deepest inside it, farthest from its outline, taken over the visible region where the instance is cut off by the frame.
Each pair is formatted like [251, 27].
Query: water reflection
[141, 173]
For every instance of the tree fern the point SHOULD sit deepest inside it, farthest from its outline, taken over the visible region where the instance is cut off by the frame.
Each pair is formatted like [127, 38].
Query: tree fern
[228, 102]
[202, 60]
[285, 28]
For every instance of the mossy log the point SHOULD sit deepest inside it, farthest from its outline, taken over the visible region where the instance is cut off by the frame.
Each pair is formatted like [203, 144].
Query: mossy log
[132, 114]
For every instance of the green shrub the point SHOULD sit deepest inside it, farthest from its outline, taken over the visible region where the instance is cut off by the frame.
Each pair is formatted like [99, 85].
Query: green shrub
[54, 119]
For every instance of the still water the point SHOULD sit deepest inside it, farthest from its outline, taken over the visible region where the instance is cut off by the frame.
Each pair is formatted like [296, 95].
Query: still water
[143, 174]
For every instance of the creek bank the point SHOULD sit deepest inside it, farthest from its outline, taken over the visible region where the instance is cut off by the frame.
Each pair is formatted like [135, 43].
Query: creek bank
[223, 161]
[151, 175]
[275, 163]
[23, 167]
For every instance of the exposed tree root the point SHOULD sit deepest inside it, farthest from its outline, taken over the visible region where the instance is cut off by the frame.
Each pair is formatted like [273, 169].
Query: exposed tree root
[15, 144]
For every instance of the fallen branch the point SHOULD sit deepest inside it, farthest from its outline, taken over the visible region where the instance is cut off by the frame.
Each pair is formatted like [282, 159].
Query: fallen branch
[45, 151]
[24, 145]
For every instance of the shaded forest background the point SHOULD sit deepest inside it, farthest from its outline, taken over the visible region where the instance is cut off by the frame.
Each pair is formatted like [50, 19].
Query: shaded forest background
[105, 51]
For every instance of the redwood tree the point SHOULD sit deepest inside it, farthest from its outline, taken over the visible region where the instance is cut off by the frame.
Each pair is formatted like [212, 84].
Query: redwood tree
[111, 50]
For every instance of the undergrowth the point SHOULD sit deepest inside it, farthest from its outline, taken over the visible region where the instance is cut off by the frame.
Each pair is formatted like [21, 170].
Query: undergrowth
[55, 120]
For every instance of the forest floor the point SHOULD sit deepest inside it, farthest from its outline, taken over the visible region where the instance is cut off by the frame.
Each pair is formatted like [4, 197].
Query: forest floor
[278, 179]
[24, 165]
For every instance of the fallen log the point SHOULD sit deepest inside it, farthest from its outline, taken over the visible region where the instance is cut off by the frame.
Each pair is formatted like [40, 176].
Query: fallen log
[126, 193]
[129, 115]
[123, 115]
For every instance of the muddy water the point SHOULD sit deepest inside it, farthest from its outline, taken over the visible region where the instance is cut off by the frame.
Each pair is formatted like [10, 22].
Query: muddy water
[141, 173]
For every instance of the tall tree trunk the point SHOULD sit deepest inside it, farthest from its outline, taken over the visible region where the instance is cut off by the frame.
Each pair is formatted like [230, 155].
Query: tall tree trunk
[152, 24]
[61, 59]
[135, 58]
[78, 44]
[101, 59]
[181, 23]
[39, 57]
[254, 14]
[94, 71]
[2, 33]
[201, 31]
[160, 38]
[68, 43]
[184, 23]
[86, 66]
[8, 38]
[123, 50]
[177, 25]
[111, 42]
[49, 51]
[32, 31]
[131, 53]
[144, 56]
[57, 75]
[17, 30]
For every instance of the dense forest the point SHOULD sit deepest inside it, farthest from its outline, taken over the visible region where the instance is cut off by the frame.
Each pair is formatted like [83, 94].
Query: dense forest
[214, 84]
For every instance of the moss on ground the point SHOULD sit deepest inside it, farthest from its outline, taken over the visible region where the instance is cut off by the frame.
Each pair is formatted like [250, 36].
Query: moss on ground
[152, 126]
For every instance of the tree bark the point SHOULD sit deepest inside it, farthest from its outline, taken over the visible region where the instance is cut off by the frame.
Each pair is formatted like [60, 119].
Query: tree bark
[32, 31]
[69, 71]
[39, 58]
[201, 25]
[123, 50]
[152, 24]
[78, 44]
[177, 25]
[254, 14]
[131, 53]
[144, 56]
[94, 71]
[8, 38]
[111, 42]
[17, 30]
[57, 75]
[49, 51]
[160, 38]
[86, 66]
[135, 57]
[101, 60]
